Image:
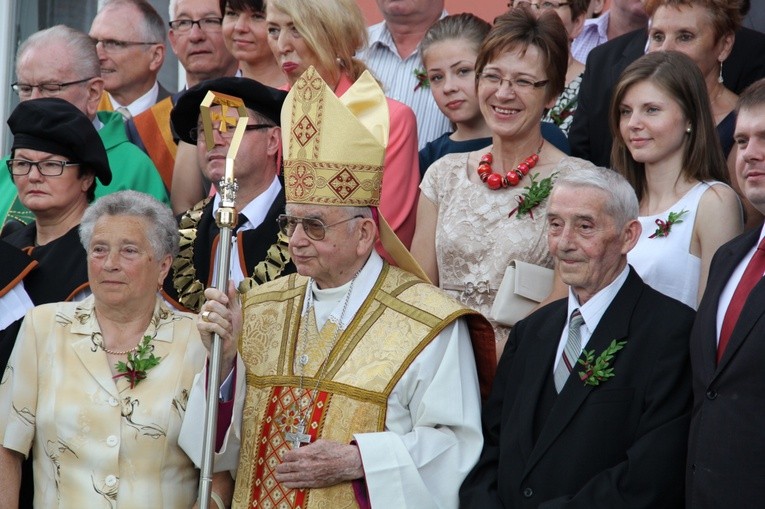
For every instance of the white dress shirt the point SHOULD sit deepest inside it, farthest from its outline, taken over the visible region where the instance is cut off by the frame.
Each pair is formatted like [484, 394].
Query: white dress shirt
[141, 104]
[256, 212]
[730, 287]
[592, 311]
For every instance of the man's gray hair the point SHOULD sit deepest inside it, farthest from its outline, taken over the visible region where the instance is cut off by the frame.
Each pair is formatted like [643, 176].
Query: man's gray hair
[622, 203]
[162, 233]
[359, 211]
[81, 49]
[152, 26]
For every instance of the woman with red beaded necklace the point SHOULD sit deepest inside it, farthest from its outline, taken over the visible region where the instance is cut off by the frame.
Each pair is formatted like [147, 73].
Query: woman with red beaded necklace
[476, 213]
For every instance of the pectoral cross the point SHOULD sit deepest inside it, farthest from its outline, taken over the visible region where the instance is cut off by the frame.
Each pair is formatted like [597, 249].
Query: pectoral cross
[298, 437]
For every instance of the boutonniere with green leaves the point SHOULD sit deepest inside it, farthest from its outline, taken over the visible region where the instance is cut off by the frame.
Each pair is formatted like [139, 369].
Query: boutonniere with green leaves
[665, 226]
[535, 194]
[138, 363]
[598, 370]
[422, 79]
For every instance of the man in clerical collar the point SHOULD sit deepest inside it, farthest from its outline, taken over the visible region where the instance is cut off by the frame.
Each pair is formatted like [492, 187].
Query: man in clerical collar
[361, 381]
[259, 252]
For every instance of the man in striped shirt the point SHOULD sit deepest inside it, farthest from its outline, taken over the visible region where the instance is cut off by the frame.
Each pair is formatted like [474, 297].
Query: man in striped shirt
[394, 58]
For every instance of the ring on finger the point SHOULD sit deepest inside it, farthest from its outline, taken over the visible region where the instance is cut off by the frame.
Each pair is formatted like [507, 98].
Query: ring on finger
[205, 316]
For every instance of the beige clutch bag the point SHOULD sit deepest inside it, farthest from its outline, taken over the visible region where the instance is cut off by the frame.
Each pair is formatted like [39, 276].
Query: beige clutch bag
[524, 285]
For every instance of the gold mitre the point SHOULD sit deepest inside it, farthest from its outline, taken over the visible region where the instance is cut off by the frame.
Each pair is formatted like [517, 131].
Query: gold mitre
[334, 147]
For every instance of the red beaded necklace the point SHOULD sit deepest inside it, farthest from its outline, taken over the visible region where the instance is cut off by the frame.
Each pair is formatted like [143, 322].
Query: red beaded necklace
[495, 180]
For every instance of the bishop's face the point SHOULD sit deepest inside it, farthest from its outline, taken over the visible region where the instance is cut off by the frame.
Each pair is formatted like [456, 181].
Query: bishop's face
[333, 260]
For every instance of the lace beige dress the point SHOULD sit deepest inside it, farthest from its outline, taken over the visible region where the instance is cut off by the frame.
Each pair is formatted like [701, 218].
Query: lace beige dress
[475, 238]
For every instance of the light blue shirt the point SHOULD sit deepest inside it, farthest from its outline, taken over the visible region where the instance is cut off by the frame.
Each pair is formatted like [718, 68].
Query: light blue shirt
[594, 33]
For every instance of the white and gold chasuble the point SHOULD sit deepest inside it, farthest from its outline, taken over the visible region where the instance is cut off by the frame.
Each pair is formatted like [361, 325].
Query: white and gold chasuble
[397, 320]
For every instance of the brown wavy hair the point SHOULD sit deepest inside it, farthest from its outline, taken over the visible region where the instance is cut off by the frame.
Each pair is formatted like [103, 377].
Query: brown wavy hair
[518, 29]
[678, 76]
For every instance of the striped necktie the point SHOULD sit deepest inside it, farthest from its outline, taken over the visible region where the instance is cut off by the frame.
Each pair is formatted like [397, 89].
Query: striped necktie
[571, 351]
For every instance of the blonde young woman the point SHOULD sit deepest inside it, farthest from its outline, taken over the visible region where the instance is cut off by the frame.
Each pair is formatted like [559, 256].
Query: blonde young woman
[448, 51]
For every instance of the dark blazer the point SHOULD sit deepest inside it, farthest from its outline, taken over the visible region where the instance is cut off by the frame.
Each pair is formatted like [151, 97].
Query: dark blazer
[620, 444]
[590, 135]
[726, 450]
[162, 93]
[254, 245]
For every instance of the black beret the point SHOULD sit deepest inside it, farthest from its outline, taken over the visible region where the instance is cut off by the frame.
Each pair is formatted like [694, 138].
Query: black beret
[258, 97]
[56, 126]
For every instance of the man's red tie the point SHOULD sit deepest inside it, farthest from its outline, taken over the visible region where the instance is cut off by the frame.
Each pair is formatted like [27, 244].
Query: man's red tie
[752, 275]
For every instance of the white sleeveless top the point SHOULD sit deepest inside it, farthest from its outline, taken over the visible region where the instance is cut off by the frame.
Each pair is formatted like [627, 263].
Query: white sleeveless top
[666, 263]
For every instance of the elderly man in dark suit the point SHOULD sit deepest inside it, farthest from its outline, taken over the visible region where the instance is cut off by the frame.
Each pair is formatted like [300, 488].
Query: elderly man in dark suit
[727, 438]
[608, 430]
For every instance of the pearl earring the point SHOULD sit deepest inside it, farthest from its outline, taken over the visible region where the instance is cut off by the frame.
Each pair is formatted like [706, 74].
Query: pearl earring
[720, 76]
[688, 129]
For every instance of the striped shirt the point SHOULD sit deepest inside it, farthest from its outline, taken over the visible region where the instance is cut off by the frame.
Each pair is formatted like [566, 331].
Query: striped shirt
[399, 81]
[594, 33]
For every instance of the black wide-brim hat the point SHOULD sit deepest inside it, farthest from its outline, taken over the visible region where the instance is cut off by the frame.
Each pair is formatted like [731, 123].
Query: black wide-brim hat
[56, 126]
[256, 96]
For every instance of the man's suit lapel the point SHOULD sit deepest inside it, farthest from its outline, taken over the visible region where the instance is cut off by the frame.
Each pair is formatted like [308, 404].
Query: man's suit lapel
[162, 92]
[542, 352]
[632, 51]
[254, 244]
[753, 309]
[613, 326]
[727, 259]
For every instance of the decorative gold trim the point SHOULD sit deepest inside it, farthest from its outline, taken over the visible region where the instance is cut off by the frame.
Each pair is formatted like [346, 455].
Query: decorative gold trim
[324, 385]
[190, 289]
[277, 258]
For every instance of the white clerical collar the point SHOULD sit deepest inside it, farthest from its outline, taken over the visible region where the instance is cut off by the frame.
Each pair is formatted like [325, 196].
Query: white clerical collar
[257, 209]
[141, 104]
[594, 309]
[328, 302]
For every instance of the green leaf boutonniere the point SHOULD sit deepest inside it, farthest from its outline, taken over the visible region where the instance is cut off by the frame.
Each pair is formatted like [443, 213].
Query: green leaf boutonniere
[597, 370]
[665, 226]
[535, 194]
[422, 79]
[138, 363]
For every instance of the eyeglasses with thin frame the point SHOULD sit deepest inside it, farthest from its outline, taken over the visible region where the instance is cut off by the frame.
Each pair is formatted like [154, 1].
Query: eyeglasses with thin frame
[496, 80]
[48, 168]
[115, 45]
[26, 89]
[542, 6]
[184, 25]
[228, 133]
[314, 228]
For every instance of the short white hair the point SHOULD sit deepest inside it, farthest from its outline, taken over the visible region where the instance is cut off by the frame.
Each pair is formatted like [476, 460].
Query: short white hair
[621, 204]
